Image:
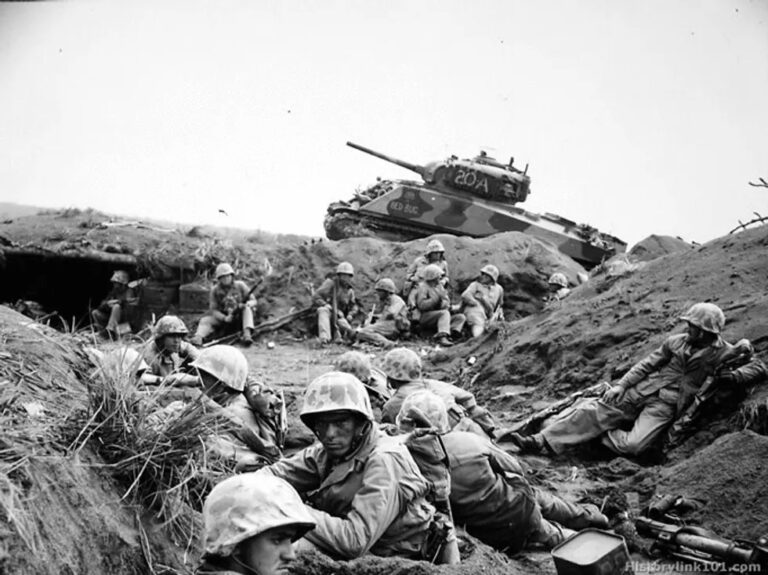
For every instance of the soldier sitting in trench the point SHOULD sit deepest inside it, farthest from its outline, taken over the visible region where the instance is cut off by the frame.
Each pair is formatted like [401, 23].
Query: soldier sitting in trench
[112, 310]
[391, 322]
[231, 308]
[168, 356]
[365, 490]
[654, 392]
[402, 367]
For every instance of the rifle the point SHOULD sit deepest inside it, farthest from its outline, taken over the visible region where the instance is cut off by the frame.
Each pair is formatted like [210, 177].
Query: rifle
[526, 426]
[334, 309]
[698, 545]
[683, 425]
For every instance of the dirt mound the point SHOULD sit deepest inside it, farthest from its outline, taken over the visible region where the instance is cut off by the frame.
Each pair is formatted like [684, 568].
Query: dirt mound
[655, 246]
[61, 510]
[730, 476]
[609, 323]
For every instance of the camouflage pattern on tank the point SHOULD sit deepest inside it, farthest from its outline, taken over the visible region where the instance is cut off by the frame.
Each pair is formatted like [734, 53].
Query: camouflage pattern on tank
[335, 391]
[402, 364]
[246, 505]
[465, 197]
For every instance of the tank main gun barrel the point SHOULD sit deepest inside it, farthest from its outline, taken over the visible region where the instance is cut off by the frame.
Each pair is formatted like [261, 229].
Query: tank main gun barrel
[407, 165]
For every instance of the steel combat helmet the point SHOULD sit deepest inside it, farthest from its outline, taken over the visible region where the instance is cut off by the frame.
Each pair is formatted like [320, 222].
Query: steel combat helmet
[433, 272]
[491, 271]
[225, 363]
[170, 325]
[402, 364]
[423, 409]
[120, 277]
[558, 279]
[385, 284]
[224, 270]
[356, 363]
[706, 316]
[434, 246]
[247, 505]
[335, 391]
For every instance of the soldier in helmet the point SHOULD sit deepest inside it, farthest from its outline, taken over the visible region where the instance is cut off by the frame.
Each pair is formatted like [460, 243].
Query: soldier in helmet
[365, 492]
[433, 255]
[432, 307]
[489, 493]
[223, 371]
[111, 310]
[231, 307]
[169, 356]
[402, 367]
[250, 525]
[373, 379]
[391, 322]
[654, 392]
[336, 295]
[558, 289]
[482, 300]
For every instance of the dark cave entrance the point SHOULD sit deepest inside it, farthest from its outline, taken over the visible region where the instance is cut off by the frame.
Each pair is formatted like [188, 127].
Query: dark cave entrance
[69, 285]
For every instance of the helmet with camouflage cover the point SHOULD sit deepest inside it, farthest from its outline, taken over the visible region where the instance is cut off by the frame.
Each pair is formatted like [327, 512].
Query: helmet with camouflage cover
[558, 279]
[345, 268]
[402, 364]
[433, 272]
[335, 391]
[706, 316]
[423, 409]
[385, 284]
[170, 325]
[225, 363]
[491, 271]
[356, 363]
[120, 277]
[224, 270]
[434, 246]
[247, 505]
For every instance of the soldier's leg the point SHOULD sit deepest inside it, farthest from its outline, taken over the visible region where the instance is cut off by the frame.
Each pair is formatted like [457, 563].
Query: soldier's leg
[568, 514]
[115, 313]
[476, 321]
[652, 421]
[324, 323]
[457, 323]
[587, 421]
[205, 328]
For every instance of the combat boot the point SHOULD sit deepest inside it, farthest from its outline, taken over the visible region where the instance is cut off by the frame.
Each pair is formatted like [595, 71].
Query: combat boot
[528, 443]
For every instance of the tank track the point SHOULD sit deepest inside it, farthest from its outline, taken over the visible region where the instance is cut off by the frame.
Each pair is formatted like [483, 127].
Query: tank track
[345, 223]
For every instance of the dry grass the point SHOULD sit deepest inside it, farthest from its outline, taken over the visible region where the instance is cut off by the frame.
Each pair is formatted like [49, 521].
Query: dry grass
[157, 452]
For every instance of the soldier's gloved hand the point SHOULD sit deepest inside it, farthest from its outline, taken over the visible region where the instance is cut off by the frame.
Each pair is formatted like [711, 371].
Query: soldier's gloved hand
[727, 378]
[613, 395]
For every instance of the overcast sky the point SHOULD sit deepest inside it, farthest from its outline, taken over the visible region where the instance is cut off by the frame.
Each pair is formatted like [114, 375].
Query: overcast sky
[637, 117]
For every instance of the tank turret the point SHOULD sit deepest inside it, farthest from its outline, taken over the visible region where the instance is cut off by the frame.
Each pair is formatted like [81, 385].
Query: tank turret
[482, 176]
[474, 197]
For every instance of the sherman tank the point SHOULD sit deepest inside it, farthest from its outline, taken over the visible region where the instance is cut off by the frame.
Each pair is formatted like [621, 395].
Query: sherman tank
[474, 197]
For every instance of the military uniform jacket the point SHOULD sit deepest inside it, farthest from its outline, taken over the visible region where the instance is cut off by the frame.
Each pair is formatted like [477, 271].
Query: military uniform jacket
[374, 500]
[345, 298]
[489, 492]
[164, 364]
[678, 367]
[225, 300]
[492, 294]
[431, 298]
